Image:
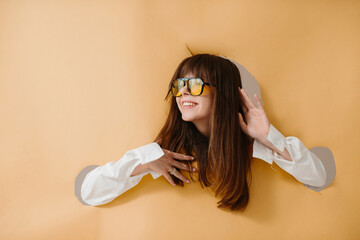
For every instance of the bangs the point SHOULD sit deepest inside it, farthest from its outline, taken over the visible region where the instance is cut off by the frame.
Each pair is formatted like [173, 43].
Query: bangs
[200, 66]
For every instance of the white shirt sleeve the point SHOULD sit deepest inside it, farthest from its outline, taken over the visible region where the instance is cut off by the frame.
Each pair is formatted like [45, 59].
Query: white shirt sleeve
[104, 183]
[305, 166]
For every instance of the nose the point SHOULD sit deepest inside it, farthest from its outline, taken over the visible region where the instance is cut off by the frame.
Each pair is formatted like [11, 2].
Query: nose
[184, 90]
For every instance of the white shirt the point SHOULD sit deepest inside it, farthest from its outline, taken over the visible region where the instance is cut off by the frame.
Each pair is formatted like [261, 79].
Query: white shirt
[104, 183]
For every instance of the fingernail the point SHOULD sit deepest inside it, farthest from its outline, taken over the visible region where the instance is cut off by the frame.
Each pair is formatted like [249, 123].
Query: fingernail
[194, 169]
[187, 181]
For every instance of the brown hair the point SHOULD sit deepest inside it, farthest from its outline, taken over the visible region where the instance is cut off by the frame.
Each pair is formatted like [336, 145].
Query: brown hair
[223, 159]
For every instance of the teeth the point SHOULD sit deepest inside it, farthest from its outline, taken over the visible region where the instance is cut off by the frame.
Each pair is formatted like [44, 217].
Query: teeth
[188, 104]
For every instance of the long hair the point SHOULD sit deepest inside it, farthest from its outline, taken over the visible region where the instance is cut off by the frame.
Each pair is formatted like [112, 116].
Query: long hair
[224, 158]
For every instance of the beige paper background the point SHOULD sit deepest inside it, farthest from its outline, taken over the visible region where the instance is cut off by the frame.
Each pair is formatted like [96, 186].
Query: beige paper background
[82, 82]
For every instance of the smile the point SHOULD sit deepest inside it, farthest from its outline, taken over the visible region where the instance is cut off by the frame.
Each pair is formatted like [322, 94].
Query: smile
[186, 105]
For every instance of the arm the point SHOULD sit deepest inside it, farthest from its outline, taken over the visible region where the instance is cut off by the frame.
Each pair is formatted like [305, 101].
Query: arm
[105, 183]
[270, 145]
[268, 142]
[290, 154]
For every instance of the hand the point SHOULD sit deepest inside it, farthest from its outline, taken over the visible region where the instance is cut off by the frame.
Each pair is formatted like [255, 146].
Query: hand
[164, 165]
[258, 125]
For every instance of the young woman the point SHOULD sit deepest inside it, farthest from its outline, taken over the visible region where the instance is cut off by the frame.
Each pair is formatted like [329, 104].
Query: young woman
[213, 130]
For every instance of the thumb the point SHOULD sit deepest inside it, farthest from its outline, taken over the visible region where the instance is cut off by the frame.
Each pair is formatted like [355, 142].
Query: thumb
[242, 123]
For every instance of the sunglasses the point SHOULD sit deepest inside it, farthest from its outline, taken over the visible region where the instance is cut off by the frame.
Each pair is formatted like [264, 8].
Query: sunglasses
[195, 86]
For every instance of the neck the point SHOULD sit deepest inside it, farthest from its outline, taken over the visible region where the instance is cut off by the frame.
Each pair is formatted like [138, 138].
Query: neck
[203, 127]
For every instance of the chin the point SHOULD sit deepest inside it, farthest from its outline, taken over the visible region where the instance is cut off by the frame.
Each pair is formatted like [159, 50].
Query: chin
[187, 118]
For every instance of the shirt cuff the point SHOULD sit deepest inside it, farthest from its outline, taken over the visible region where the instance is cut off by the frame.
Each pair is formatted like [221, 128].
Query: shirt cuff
[262, 152]
[276, 138]
[149, 153]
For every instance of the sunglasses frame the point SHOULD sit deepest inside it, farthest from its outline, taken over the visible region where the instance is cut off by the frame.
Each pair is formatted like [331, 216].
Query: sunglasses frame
[185, 80]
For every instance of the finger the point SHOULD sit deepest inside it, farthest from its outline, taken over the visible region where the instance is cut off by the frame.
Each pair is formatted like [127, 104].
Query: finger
[243, 107]
[180, 156]
[159, 141]
[183, 166]
[180, 176]
[260, 104]
[242, 123]
[169, 178]
[243, 100]
[248, 102]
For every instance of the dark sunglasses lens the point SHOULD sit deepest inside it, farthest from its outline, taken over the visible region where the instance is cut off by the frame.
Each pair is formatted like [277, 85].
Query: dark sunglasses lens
[195, 86]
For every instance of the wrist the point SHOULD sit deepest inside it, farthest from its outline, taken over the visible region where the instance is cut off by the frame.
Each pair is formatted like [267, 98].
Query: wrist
[145, 167]
[263, 140]
[264, 137]
[139, 169]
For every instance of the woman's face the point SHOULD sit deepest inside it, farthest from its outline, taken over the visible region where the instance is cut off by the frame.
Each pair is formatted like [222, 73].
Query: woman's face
[195, 109]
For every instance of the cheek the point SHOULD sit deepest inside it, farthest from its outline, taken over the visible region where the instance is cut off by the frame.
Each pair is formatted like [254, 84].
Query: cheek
[178, 103]
[207, 105]
[209, 96]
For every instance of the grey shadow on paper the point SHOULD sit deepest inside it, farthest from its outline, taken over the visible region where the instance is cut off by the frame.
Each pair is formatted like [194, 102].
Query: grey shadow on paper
[327, 158]
[80, 179]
